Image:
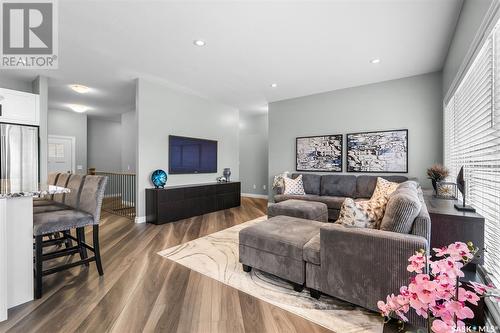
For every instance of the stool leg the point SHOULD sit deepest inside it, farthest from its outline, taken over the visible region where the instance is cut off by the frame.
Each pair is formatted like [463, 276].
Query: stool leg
[80, 235]
[68, 243]
[38, 267]
[97, 251]
[247, 268]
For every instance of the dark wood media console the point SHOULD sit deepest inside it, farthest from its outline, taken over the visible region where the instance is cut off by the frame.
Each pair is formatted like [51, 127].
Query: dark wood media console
[175, 203]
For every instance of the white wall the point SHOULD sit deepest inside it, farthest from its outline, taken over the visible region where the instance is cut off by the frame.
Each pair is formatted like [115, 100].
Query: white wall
[253, 153]
[413, 103]
[128, 142]
[471, 16]
[68, 123]
[163, 111]
[104, 139]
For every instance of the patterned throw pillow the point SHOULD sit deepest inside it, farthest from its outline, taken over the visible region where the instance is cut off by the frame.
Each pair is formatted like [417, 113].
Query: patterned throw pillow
[368, 213]
[294, 186]
[356, 214]
[380, 198]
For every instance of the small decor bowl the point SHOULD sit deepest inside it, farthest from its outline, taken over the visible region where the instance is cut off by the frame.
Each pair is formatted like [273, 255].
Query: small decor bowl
[159, 178]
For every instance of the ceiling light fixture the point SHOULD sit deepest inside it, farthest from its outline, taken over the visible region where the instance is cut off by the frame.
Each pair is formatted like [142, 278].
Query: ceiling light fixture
[79, 88]
[274, 85]
[375, 61]
[78, 107]
[199, 42]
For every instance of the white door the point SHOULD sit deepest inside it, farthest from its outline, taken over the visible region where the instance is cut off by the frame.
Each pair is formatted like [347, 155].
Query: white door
[61, 153]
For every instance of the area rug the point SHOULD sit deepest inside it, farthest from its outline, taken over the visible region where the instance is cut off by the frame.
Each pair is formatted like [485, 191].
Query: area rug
[216, 256]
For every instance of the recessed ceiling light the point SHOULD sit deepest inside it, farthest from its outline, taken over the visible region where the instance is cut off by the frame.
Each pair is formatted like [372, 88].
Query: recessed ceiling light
[79, 88]
[375, 61]
[199, 42]
[274, 85]
[78, 107]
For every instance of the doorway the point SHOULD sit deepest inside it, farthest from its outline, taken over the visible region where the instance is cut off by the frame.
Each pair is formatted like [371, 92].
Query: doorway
[61, 151]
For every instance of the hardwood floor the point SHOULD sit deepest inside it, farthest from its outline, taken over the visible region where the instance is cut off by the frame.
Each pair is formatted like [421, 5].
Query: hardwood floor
[143, 292]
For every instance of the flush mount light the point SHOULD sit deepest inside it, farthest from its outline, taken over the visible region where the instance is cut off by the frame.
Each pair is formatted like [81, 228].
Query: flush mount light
[375, 61]
[79, 88]
[78, 107]
[274, 85]
[199, 42]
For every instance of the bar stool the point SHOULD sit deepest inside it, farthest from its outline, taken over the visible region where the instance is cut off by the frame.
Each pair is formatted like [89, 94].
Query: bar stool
[85, 210]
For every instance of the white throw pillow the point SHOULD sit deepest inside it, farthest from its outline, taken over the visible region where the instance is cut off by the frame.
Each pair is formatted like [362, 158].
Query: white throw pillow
[294, 186]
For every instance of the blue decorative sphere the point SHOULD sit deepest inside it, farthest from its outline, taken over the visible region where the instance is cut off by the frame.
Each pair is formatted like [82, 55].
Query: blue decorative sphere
[159, 178]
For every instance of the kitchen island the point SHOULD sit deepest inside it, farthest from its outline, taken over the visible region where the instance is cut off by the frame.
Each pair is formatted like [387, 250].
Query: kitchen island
[16, 242]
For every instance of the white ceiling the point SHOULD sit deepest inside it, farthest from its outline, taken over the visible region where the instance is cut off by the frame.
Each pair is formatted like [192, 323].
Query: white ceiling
[306, 47]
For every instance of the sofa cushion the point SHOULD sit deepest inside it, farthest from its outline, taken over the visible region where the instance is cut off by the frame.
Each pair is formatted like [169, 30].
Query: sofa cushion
[338, 185]
[365, 185]
[312, 251]
[281, 235]
[294, 186]
[310, 210]
[403, 207]
[312, 182]
[379, 199]
[306, 197]
[332, 202]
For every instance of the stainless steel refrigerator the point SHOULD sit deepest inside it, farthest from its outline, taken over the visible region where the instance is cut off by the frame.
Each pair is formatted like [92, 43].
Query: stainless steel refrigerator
[19, 165]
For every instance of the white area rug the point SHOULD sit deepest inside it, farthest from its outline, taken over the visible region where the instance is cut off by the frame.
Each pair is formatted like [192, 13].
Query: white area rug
[216, 256]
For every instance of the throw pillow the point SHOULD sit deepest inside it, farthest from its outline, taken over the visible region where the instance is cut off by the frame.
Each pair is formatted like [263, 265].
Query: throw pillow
[357, 214]
[403, 207]
[380, 197]
[294, 186]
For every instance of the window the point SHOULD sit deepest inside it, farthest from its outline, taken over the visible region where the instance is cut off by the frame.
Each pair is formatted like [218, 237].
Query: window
[472, 140]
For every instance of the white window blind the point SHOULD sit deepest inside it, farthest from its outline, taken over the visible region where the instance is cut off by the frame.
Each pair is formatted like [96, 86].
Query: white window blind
[472, 140]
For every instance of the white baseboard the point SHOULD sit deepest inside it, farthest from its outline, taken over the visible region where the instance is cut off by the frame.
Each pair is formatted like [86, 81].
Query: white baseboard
[140, 219]
[251, 195]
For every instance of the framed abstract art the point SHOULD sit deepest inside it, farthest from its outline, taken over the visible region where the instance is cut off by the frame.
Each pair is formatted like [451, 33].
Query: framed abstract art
[383, 151]
[319, 153]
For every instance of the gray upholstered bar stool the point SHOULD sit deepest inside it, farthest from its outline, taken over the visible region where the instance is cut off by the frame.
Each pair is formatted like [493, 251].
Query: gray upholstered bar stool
[60, 180]
[51, 180]
[84, 211]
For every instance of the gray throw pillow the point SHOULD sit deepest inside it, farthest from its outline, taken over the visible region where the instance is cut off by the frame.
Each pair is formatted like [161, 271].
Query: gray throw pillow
[403, 207]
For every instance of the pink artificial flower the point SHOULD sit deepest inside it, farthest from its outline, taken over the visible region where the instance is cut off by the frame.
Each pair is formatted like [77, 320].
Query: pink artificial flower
[451, 268]
[424, 288]
[417, 262]
[459, 309]
[445, 286]
[439, 326]
[480, 288]
[459, 251]
[440, 252]
[465, 295]
[440, 311]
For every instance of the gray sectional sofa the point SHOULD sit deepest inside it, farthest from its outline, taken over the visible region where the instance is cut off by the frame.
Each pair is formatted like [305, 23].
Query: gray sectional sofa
[333, 189]
[358, 265]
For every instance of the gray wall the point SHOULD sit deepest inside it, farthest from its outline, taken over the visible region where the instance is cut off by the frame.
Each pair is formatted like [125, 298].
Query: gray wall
[161, 111]
[128, 142]
[253, 153]
[469, 22]
[67, 123]
[104, 138]
[413, 103]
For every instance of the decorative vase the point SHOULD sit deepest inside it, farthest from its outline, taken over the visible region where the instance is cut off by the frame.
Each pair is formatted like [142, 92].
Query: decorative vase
[227, 174]
[159, 178]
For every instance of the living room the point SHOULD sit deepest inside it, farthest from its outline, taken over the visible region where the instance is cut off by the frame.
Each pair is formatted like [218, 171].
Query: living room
[242, 166]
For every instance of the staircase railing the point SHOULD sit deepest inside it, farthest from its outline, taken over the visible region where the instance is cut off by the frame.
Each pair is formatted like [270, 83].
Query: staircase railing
[120, 195]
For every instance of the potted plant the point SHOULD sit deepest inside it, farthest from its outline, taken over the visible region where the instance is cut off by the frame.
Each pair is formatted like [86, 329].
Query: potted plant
[437, 173]
[436, 292]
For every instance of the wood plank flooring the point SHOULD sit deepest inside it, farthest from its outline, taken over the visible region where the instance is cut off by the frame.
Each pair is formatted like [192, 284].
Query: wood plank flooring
[143, 292]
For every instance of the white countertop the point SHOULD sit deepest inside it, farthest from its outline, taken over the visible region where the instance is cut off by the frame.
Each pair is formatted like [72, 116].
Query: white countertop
[14, 189]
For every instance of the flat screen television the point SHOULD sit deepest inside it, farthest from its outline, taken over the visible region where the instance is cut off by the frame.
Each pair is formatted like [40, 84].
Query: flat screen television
[191, 155]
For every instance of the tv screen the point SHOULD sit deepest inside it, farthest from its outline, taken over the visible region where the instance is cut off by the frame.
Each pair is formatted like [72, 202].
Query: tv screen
[191, 155]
